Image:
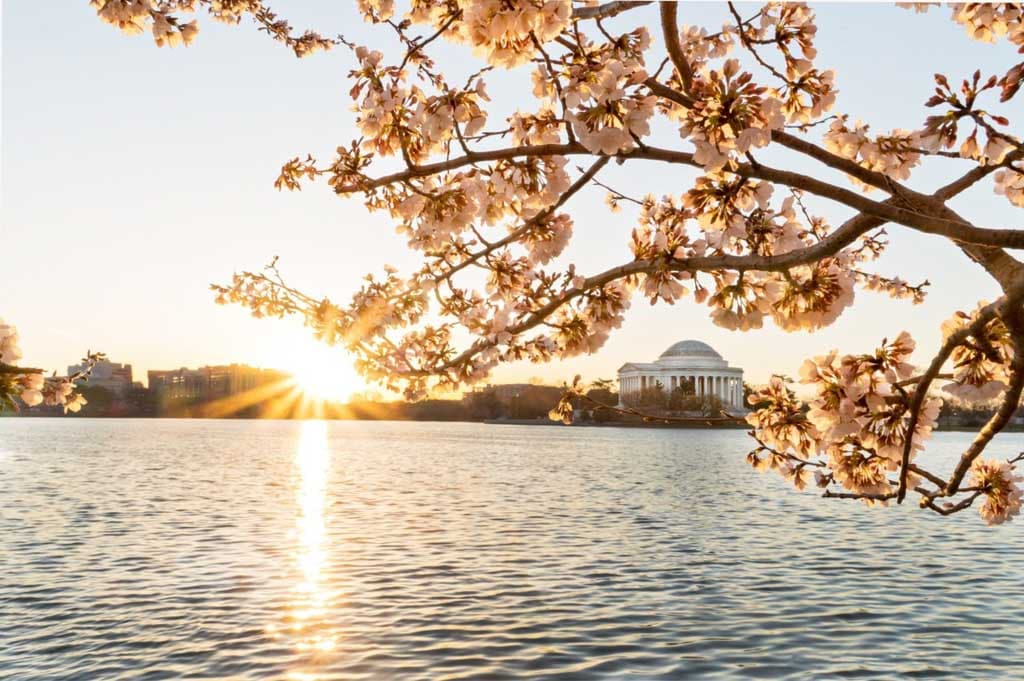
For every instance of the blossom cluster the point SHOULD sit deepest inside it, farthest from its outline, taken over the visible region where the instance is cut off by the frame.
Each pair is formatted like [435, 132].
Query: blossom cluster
[606, 117]
[855, 429]
[1010, 183]
[435, 212]
[29, 384]
[662, 235]
[162, 19]
[942, 130]
[10, 348]
[987, 22]
[807, 93]
[504, 33]
[998, 482]
[861, 426]
[601, 92]
[893, 155]
[134, 16]
[981, 364]
[731, 116]
[895, 287]
[700, 47]
[736, 216]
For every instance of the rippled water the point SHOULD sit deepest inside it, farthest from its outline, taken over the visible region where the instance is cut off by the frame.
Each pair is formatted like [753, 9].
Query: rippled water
[352, 550]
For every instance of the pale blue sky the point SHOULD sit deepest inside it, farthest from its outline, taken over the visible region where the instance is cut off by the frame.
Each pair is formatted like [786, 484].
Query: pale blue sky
[134, 176]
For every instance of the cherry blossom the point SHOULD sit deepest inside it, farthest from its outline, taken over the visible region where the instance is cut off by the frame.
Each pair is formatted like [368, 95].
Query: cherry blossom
[1010, 183]
[858, 426]
[10, 351]
[997, 482]
[29, 384]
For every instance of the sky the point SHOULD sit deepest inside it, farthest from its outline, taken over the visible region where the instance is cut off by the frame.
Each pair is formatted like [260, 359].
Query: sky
[134, 176]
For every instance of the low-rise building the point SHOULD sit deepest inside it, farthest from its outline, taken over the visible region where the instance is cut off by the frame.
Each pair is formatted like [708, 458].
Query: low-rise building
[117, 378]
[209, 382]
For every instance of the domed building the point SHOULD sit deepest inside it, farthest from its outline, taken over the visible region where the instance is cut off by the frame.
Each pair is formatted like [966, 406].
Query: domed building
[689, 363]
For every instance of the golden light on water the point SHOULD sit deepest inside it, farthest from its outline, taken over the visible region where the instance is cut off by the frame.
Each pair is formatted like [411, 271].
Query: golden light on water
[311, 459]
[307, 621]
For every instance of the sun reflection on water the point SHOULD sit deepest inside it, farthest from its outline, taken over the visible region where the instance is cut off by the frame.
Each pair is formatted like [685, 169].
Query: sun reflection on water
[307, 620]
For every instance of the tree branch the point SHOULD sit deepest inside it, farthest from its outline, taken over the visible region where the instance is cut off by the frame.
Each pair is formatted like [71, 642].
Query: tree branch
[670, 33]
[971, 177]
[514, 236]
[889, 210]
[1011, 400]
[607, 10]
[920, 392]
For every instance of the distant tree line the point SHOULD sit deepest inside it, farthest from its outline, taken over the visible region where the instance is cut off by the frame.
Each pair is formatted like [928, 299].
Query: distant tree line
[524, 403]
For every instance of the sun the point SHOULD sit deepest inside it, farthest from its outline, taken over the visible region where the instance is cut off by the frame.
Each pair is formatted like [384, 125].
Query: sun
[323, 373]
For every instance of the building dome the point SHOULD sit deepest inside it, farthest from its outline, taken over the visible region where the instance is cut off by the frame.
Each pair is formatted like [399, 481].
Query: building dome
[691, 348]
[690, 365]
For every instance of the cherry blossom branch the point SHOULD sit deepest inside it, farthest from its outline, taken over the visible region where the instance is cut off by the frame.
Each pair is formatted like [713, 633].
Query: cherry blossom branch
[750, 48]
[928, 501]
[888, 210]
[1009, 404]
[970, 178]
[417, 46]
[925, 380]
[828, 246]
[30, 384]
[829, 494]
[608, 9]
[869, 177]
[516, 234]
[930, 477]
[670, 33]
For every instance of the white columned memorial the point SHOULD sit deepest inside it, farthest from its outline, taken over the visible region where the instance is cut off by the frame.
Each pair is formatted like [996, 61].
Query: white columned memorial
[689, 363]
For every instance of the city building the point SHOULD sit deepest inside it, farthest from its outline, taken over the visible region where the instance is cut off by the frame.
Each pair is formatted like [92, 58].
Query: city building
[690, 364]
[117, 378]
[209, 382]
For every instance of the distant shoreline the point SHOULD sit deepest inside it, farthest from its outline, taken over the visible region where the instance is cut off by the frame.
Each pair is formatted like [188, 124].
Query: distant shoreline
[615, 424]
[489, 422]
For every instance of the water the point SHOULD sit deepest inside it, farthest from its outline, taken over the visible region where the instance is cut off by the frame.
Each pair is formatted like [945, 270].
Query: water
[370, 550]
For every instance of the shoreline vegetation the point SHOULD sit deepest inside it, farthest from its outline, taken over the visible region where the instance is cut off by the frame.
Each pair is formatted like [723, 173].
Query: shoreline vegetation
[508, 404]
[542, 422]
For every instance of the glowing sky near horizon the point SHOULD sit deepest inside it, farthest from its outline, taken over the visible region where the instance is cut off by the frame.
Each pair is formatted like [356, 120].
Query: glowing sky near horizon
[134, 176]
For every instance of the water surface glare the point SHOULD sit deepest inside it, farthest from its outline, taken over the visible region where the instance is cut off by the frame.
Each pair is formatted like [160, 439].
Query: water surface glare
[170, 549]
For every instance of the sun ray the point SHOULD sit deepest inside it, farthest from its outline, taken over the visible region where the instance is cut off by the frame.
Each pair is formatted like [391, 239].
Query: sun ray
[261, 395]
[322, 372]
